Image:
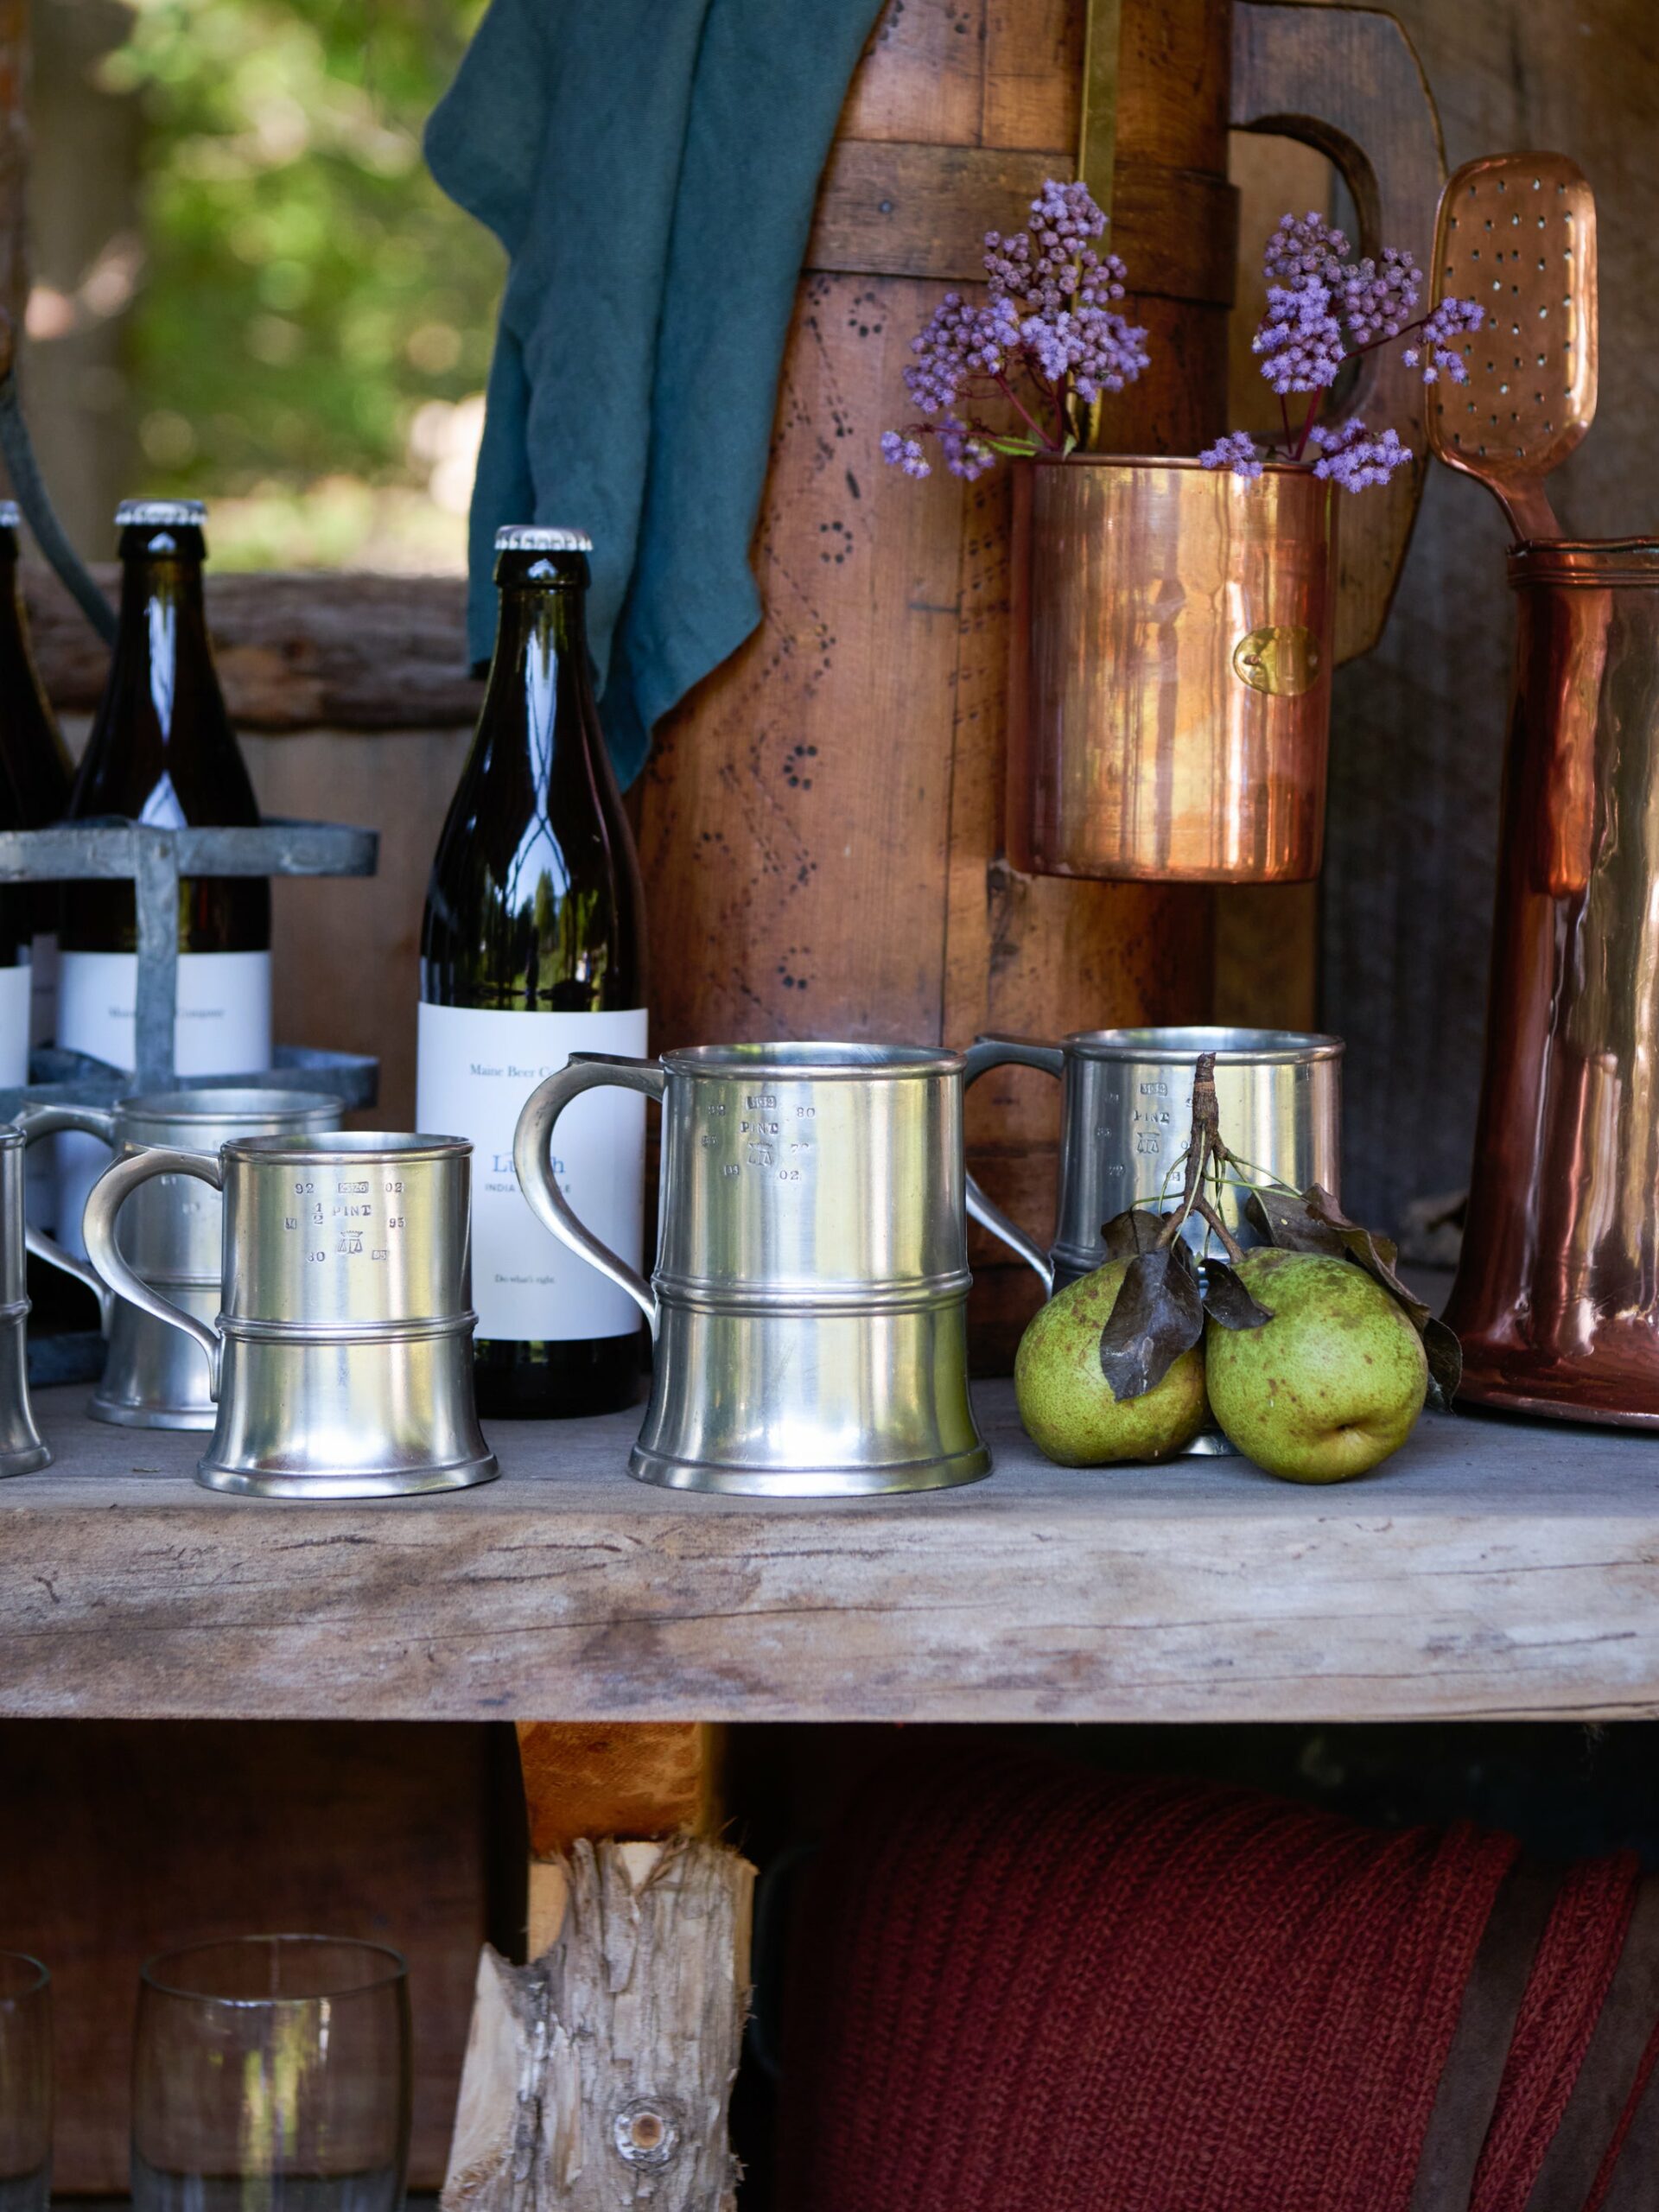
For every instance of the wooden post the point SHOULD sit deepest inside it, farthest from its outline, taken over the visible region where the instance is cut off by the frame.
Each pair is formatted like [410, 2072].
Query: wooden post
[597, 2076]
[821, 825]
[13, 170]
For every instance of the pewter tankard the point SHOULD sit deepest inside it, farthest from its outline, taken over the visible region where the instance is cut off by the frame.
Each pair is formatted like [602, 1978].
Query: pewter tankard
[154, 1377]
[1126, 1111]
[809, 1303]
[22, 1452]
[341, 1359]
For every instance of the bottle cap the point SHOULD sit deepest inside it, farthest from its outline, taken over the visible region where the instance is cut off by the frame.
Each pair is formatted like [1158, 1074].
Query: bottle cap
[10, 514]
[538, 538]
[180, 514]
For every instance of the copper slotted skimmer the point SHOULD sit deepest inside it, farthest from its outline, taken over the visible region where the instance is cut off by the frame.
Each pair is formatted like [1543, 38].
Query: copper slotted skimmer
[1517, 232]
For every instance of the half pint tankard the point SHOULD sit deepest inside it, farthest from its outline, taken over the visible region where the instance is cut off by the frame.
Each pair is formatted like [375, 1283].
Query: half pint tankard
[1126, 1115]
[22, 1452]
[340, 1362]
[809, 1303]
[155, 1376]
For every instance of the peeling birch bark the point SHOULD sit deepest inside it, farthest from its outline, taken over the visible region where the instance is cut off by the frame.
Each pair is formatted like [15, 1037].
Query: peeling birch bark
[598, 2076]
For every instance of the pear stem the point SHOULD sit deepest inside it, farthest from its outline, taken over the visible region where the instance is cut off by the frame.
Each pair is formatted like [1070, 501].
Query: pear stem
[1204, 1142]
[1230, 1244]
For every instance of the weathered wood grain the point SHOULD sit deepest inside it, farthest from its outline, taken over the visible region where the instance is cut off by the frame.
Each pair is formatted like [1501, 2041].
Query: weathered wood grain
[795, 812]
[1494, 1568]
[923, 74]
[598, 2076]
[294, 652]
[889, 208]
[645, 1779]
[892, 209]
[1347, 81]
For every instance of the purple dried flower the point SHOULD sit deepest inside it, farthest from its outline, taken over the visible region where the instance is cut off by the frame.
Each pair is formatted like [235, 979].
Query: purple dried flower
[1236, 451]
[1354, 457]
[1377, 300]
[901, 452]
[965, 456]
[1440, 332]
[1050, 312]
[1308, 248]
[1300, 339]
[960, 341]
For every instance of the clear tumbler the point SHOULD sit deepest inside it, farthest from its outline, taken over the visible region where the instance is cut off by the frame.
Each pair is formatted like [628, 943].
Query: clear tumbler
[271, 2073]
[25, 2083]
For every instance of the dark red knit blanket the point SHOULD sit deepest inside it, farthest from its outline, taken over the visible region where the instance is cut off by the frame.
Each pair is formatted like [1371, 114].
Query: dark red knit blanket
[1026, 1988]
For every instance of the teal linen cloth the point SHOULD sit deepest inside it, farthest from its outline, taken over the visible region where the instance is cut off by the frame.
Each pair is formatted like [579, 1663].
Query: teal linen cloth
[650, 168]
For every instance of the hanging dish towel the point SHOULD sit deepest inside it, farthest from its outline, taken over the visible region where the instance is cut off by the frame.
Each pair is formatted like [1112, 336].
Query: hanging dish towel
[650, 168]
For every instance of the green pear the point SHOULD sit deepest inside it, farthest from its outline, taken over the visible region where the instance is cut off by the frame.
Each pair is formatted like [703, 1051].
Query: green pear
[1065, 1401]
[1332, 1384]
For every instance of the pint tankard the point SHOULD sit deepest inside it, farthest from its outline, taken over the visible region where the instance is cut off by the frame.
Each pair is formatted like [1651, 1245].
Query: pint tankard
[22, 1452]
[1126, 1114]
[154, 1376]
[340, 1362]
[809, 1304]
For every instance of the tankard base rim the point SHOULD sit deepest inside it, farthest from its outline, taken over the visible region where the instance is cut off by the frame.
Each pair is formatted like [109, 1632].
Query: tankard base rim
[323, 1489]
[27, 1460]
[725, 1480]
[128, 1414]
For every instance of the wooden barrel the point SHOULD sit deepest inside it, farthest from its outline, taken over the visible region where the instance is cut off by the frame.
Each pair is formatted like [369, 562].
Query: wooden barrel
[822, 821]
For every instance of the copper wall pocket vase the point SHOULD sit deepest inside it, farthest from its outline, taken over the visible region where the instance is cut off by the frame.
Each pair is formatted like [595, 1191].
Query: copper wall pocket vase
[1169, 699]
[1557, 1292]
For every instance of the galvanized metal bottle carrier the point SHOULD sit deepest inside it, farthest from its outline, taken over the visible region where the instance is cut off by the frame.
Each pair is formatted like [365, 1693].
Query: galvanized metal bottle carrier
[153, 861]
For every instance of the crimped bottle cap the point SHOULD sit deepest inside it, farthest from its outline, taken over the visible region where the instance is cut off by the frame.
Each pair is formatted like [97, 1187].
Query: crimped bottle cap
[540, 538]
[178, 514]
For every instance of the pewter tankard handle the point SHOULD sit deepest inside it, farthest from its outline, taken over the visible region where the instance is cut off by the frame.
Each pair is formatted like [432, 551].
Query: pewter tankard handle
[90, 1121]
[532, 1163]
[995, 1053]
[111, 1191]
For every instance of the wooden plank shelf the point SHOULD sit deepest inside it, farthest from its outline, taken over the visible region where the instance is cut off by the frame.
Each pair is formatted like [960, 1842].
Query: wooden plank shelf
[1495, 1568]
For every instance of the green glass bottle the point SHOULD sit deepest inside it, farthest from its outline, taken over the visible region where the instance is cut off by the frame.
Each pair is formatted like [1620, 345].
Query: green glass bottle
[162, 750]
[533, 947]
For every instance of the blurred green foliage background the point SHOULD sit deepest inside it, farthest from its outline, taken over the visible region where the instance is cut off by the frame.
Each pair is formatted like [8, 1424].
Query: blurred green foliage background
[310, 327]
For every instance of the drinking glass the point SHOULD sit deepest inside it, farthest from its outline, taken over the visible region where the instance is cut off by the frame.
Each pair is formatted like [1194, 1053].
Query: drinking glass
[25, 2083]
[271, 2073]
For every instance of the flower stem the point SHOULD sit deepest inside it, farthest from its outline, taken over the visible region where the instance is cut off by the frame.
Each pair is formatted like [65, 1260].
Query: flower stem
[1012, 397]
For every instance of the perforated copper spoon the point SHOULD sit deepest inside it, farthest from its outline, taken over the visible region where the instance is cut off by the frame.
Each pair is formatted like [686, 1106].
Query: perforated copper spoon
[1517, 232]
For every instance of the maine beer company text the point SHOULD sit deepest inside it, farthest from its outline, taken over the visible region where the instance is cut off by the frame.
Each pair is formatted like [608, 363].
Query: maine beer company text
[533, 948]
[163, 751]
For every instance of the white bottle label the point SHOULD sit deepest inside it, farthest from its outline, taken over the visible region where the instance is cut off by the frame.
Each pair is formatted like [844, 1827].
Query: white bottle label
[475, 1069]
[13, 1024]
[43, 996]
[223, 1002]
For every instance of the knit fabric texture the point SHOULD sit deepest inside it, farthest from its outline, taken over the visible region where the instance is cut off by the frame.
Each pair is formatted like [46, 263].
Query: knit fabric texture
[1026, 1988]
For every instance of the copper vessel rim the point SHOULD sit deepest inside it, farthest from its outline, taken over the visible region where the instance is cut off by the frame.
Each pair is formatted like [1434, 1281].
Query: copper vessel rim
[1147, 461]
[1598, 562]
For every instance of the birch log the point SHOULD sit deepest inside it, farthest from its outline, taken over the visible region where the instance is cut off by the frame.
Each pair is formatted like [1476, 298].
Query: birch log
[598, 2076]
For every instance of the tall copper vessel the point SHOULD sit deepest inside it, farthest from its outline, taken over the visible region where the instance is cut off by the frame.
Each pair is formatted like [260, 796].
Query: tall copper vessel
[1170, 690]
[1557, 1294]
